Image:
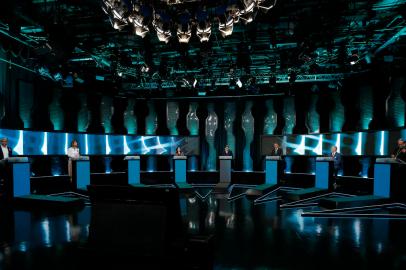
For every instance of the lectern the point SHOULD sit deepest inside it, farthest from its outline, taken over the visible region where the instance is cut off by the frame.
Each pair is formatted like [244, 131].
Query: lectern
[180, 168]
[324, 172]
[273, 169]
[19, 176]
[133, 165]
[386, 172]
[81, 172]
[225, 168]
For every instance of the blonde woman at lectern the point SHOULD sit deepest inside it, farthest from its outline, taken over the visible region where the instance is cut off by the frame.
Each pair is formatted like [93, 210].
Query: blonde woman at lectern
[73, 153]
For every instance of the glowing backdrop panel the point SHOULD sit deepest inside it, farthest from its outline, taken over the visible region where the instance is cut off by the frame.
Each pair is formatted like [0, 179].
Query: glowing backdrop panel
[25, 142]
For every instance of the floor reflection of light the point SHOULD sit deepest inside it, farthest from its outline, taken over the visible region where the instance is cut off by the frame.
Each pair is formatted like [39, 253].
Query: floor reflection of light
[67, 231]
[22, 246]
[357, 231]
[336, 232]
[379, 248]
[299, 219]
[46, 232]
[318, 229]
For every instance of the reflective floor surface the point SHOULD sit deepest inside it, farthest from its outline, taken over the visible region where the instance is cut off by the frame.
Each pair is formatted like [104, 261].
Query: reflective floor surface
[234, 234]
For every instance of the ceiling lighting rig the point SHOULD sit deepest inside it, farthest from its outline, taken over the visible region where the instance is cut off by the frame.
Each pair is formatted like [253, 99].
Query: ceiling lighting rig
[182, 17]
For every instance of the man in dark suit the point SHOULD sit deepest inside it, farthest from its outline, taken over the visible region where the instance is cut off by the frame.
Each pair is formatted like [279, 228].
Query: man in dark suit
[277, 150]
[5, 153]
[338, 163]
[398, 148]
[227, 151]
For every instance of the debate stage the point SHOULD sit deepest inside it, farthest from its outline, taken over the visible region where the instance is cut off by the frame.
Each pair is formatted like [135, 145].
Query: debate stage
[151, 226]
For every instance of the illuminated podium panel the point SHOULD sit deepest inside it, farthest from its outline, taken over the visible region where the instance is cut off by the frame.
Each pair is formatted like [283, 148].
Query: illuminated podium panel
[387, 172]
[273, 169]
[81, 172]
[225, 168]
[134, 168]
[20, 176]
[180, 165]
[324, 172]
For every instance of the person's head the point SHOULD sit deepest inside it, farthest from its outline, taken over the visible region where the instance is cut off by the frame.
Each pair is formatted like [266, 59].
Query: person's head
[401, 142]
[74, 143]
[178, 150]
[227, 148]
[4, 141]
[276, 145]
[334, 149]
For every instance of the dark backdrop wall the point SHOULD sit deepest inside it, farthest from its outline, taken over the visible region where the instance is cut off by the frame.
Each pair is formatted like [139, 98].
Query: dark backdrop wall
[372, 101]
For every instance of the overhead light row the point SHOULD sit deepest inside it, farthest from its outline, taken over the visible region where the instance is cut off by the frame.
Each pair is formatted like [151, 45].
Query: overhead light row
[140, 16]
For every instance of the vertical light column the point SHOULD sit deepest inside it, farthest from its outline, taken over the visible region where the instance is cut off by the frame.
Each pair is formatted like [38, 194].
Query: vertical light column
[229, 117]
[211, 127]
[289, 114]
[395, 105]
[107, 110]
[337, 113]
[55, 111]
[313, 117]
[192, 124]
[83, 115]
[271, 118]
[248, 128]
[151, 125]
[366, 106]
[25, 102]
[172, 116]
[130, 121]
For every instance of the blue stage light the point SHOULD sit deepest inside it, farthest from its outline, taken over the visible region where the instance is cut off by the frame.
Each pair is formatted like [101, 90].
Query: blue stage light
[318, 150]
[86, 145]
[108, 149]
[358, 149]
[19, 148]
[126, 148]
[44, 148]
[66, 143]
[302, 146]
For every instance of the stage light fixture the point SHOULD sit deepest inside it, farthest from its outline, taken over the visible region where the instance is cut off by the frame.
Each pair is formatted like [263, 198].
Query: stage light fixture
[226, 26]
[266, 5]
[203, 32]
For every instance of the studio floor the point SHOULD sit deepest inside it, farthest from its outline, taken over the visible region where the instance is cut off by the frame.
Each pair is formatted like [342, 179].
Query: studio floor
[227, 233]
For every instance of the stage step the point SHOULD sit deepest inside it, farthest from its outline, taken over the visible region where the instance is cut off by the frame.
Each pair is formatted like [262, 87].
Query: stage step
[221, 188]
[304, 193]
[356, 201]
[260, 190]
[47, 202]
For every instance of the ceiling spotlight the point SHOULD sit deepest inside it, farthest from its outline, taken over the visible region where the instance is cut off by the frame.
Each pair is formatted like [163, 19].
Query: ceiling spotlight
[266, 5]
[226, 25]
[161, 26]
[184, 30]
[140, 18]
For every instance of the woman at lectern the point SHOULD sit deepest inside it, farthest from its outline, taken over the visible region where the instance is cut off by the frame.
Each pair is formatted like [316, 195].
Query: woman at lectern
[178, 152]
[227, 151]
[73, 152]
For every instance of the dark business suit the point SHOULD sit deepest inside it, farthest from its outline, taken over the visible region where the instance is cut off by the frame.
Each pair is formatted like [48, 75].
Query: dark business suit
[276, 152]
[3, 170]
[229, 153]
[10, 153]
[338, 163]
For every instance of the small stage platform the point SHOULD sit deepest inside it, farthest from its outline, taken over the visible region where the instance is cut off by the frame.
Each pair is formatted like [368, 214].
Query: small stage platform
[47, 202]
[356, 201]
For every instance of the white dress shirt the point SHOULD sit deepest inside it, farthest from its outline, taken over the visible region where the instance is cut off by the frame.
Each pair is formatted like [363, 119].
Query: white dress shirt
[73, 152]
[5, 151]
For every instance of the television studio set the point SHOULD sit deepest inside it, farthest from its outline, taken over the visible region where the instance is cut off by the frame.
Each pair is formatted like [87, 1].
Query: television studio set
[202, 134]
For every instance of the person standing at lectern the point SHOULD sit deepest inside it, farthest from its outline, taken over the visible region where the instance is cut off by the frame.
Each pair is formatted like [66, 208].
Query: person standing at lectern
[5, 153]
[227, 151]
[178, 152]
[73, 153]
[398, 148]
[277, 150]
[338, 164]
